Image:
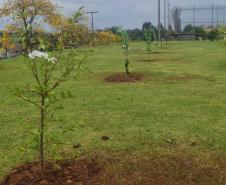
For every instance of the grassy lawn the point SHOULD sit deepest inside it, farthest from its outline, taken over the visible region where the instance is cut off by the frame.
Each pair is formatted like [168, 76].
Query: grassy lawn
[179, 107]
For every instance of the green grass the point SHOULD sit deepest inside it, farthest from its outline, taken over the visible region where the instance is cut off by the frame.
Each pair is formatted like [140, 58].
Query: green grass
[138, 117]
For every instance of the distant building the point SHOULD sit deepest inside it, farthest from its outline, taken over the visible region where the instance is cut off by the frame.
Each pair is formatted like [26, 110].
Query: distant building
[185, 36]
[4, 54]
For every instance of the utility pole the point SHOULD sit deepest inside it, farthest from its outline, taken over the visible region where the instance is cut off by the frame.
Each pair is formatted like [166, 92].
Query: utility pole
[217, 16]
[194, 9]
[165, 14]
[165, 27]
[212, 16]
[92, 18]
[159, 23]
[169, 16]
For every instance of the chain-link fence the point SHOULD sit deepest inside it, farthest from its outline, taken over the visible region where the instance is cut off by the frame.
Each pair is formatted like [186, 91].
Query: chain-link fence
[208, 16]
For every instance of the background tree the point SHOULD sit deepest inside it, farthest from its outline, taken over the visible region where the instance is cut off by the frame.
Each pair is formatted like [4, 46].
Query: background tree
[198, 30]
[150, 37]
[214, 35]
[149, 25]
[188, 28]
[135, 34]
[74, 29]
[146, 25]
[79, 16]
[26, 16]
[7, 42]
[113, 29]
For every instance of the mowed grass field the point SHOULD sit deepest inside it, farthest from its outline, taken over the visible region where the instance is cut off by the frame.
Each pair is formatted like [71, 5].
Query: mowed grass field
[179, 109]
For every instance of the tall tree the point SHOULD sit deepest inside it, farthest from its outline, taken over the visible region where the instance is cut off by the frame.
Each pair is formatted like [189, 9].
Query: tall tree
[74, 29]
[26, 15]
[135, 34]
[149, 25]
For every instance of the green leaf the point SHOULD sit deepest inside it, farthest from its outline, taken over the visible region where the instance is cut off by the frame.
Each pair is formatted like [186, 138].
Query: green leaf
[63, 95]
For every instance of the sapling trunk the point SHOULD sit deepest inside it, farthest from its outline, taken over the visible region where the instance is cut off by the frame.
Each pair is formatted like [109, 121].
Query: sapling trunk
[150, 36]
[125, 47]
[127, 65]
[149, 56]
[42, 125]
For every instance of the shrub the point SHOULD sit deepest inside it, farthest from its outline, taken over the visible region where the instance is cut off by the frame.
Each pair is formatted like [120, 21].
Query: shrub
[106, 37]
[213, 35]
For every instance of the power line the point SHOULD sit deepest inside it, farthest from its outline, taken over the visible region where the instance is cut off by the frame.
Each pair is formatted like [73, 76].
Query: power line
[205, 8]
[197, 22]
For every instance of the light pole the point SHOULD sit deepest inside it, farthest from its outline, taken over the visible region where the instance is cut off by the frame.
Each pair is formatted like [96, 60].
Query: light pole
[212, 16]
[165, 14]
[169, 16]
[92, 18]
[194, 16]
[165, 27]
[159, 23]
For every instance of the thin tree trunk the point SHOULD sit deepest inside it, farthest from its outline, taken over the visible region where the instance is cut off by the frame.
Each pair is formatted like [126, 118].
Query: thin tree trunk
[41, 147]
[127, 65]
[6, 54]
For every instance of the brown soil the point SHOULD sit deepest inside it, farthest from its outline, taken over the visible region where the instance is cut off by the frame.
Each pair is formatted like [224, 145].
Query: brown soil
[61, 173]
[123, 77]
[178, 169]
[152, 60]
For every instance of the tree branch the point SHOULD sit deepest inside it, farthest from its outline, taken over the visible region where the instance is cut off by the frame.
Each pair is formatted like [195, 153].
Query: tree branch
[30, 101]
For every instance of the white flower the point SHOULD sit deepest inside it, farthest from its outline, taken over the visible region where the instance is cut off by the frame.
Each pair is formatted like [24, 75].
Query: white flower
[52, 60]
[38, 54]
[31, 56]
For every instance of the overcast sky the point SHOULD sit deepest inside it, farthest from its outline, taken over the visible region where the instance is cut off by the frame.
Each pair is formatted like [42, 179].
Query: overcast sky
[129, 13]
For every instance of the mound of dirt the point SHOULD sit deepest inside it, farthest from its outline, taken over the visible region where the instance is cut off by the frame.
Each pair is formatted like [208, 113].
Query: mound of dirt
[61, 173]
[123, 77]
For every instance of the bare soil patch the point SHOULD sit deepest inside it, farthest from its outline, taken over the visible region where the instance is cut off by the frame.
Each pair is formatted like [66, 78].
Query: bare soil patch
[123, 77]
[151, 60]
[59, 173]
[172, 169]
